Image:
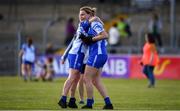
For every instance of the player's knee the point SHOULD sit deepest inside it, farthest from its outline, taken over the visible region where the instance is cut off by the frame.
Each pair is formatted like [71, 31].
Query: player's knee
[94, 82]
[73, 79]
[86, 79]
[76, 80]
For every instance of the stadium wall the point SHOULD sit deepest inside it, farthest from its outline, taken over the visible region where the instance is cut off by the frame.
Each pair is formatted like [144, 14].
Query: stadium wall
[125, 66]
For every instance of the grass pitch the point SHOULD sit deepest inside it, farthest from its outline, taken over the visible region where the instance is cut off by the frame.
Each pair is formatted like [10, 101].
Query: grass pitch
[126, 94]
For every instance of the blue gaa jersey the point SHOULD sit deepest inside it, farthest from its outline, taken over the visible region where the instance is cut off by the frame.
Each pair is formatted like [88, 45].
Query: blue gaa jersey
[77, 51]
[77, 45]
[28, 53]
[97, 50]
[98, 47]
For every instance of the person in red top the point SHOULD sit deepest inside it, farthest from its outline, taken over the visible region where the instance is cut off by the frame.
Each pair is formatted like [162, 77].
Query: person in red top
[149, 59]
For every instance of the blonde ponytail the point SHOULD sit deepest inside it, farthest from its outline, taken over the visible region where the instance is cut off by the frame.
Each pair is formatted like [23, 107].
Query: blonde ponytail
[89, 10]
[93, 11]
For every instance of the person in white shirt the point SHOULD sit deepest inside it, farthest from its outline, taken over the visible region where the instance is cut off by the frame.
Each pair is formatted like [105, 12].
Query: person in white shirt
[114, 37]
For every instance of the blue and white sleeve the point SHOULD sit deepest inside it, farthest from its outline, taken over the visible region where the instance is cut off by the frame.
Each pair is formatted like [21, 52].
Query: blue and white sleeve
[80, 31]
[85, 25]
[98, 27]
[65, 54]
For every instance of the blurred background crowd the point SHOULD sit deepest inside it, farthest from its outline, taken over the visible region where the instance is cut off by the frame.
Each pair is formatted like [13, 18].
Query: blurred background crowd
[52, 24]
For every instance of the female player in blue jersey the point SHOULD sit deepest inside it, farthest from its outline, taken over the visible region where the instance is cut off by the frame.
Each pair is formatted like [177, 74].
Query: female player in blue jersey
[75, 54]
[27, 53]
[96, 60]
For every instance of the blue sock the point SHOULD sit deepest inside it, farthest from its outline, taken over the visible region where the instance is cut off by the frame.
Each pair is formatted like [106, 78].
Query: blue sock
[72, 99]
[89, 102]
[64, 98]
[107, 100]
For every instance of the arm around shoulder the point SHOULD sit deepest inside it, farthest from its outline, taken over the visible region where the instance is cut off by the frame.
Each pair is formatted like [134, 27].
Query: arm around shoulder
[101, 36]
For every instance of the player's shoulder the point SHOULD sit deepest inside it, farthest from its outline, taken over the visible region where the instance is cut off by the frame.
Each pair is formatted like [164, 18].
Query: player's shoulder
[33, 46]
[95, 23]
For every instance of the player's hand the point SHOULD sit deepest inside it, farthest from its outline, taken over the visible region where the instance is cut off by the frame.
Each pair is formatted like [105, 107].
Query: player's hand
[141, 63]
[87, 40]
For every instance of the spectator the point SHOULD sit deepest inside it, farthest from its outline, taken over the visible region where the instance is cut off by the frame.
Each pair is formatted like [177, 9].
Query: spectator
[70, 31]
[49, 49]
[49, 70]
[155, 26]
[114, 37]
[124, 28]
[46, 72]
[49, 52]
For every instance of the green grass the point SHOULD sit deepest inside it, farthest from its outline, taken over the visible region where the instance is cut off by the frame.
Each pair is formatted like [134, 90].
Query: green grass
[126, 94]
